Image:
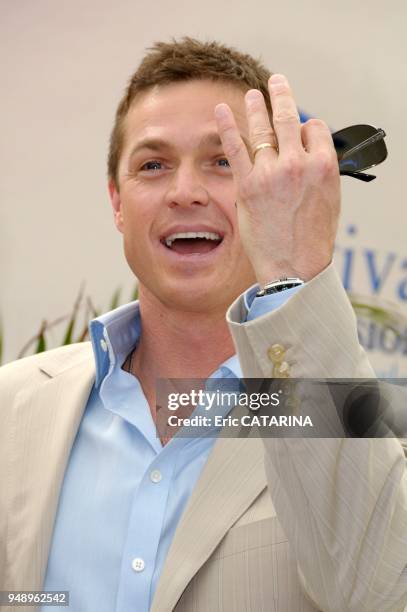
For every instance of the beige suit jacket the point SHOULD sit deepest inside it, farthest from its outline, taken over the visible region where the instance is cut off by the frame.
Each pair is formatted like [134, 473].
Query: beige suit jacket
[335, 536]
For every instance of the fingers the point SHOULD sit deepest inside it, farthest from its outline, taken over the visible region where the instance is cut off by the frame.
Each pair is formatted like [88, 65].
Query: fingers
[260, 129]
[286, 121]
[233, 145]
[316, 136]
[318, 143]
[287, 136]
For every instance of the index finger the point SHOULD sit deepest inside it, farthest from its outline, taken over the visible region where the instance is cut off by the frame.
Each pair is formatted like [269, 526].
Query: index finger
[286, 121]
[233, 145]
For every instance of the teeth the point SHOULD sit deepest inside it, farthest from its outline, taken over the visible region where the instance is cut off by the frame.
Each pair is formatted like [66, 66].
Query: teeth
[207, 235]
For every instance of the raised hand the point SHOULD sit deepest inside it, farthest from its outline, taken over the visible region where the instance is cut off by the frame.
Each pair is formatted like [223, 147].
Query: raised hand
[288, 194]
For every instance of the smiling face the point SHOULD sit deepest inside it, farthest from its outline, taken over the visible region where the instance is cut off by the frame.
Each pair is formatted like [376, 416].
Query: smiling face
[175, 203]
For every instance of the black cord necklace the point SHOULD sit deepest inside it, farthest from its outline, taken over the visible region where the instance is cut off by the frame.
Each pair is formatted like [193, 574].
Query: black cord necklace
[130, 370]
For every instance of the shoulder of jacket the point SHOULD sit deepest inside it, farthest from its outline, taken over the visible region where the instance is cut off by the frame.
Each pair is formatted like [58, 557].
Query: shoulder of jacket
[63, 356]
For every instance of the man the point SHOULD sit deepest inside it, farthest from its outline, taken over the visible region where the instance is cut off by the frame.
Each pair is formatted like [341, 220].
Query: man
[211, 198]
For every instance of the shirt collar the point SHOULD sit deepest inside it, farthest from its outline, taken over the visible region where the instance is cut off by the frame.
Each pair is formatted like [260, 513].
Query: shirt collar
[115, 333]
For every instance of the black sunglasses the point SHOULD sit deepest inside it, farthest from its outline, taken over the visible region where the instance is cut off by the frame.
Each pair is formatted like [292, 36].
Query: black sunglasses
[358, 148]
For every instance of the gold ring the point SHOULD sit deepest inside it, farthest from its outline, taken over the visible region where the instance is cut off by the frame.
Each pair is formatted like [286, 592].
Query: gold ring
[264, 145]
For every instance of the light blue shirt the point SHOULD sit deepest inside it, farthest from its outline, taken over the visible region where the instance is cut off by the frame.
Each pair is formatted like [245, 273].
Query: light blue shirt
[124, 493]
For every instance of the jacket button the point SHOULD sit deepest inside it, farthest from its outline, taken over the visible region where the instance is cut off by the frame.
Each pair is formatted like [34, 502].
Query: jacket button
[281, 370]
[292, 402]
[276, 353]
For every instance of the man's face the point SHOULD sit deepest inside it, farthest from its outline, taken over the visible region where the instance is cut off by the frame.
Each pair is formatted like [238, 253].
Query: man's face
[176, 200]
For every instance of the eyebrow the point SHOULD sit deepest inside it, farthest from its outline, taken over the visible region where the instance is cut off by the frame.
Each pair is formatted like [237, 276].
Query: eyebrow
[156, 144]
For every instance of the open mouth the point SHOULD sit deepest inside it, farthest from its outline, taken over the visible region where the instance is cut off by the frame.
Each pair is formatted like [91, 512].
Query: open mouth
[187, 243]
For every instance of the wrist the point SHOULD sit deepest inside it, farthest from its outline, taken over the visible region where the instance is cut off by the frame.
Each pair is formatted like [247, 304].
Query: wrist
[268, 269]
[269, 276]
[305, 273]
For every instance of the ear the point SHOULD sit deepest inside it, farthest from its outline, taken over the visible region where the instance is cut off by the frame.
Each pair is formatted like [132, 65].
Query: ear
[116, 205]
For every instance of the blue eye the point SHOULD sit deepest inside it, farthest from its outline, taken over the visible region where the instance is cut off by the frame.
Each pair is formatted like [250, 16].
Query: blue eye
[223, 159]
[151, 165]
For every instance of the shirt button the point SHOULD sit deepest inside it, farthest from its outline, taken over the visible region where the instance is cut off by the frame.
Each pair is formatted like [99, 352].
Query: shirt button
[138, 564]
[276, 353]
[156, 476]
[103, 344]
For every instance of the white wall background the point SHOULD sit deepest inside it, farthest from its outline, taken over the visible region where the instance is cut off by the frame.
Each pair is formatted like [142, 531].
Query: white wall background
[64, 67]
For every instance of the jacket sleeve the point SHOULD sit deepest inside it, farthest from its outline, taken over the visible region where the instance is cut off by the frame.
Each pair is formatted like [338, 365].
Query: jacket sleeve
[342, 501]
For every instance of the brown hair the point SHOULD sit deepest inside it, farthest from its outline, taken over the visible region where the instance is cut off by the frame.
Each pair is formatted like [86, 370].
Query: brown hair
[185, 60]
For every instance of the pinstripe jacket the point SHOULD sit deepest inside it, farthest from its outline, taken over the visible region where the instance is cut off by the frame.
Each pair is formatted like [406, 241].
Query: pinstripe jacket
[277, 525]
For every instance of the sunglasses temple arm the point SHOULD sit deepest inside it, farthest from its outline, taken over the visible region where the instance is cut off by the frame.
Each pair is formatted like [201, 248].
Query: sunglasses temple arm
[362, 176]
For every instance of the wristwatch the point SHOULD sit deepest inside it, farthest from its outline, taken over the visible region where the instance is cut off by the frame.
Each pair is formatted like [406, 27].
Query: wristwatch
[278, 285]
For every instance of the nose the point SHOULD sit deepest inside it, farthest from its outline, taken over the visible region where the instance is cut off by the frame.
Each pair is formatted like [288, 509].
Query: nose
[187, 188]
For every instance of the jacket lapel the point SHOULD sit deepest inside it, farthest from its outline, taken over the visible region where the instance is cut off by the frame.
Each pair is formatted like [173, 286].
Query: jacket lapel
[231, 480]
[46, 417]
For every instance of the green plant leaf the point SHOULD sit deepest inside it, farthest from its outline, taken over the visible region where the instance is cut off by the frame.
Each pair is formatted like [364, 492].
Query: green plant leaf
[92, 308]
[41, 344]
[377, 314]
[69, 331]
[84, 334]
[134, 295]
[115, 299]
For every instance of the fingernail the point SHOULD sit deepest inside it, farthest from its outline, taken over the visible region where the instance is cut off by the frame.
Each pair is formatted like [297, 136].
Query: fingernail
[253, 95]
[276, 79]
[221, 111]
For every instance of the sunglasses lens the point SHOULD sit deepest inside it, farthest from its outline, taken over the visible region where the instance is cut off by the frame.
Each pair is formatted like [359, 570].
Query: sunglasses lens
[366, 156]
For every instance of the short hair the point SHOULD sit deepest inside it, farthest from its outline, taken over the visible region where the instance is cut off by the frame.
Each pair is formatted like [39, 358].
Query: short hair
[186, 59]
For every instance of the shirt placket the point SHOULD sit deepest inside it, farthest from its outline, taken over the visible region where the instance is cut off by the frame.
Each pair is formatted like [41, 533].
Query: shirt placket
[144, 532]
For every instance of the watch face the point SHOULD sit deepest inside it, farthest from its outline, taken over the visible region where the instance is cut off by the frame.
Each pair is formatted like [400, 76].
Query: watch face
[280, 285]
[279, 288]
